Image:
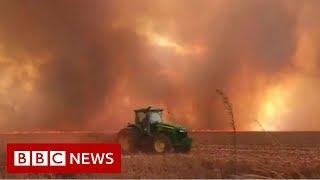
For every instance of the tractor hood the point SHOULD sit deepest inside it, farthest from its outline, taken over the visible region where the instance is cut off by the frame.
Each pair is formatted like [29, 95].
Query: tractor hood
[170, 126]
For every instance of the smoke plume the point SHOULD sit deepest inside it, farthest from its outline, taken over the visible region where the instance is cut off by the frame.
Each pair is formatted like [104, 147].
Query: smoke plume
[87, 64]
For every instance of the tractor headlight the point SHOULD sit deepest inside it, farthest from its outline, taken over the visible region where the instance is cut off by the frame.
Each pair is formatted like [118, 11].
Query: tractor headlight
[182, 133]
[183, 130]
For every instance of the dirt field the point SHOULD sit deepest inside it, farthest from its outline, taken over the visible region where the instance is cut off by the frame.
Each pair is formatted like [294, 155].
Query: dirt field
[295, 155]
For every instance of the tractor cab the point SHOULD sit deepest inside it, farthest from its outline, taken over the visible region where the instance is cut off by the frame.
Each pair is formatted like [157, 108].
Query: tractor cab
[148, 115]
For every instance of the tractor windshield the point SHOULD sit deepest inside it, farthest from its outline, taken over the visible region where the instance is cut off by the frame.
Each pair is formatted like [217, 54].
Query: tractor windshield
[155, 117]
[140, 116]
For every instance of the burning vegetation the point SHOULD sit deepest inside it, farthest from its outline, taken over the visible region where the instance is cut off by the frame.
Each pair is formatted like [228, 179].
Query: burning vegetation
[85, 65]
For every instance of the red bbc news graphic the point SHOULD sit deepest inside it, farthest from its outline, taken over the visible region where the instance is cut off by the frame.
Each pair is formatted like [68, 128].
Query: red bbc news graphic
[63, 158]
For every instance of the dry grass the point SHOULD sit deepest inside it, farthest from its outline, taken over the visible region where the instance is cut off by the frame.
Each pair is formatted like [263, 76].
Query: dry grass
[212, 161]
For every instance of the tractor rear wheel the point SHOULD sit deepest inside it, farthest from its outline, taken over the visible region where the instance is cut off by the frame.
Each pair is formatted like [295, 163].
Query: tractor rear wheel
[128, 139]
[161, 144]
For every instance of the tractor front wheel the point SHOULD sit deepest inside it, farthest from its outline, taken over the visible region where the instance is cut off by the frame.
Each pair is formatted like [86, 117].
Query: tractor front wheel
[128, 139]
[161, 144]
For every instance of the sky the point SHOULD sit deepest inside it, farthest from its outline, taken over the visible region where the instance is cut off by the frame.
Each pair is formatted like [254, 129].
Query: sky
[87, 64]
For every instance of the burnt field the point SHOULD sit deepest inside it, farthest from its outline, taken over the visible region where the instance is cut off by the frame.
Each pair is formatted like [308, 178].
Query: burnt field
[257, 155]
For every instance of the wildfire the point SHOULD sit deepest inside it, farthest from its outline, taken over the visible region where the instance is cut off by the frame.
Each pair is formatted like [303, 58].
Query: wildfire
[165, 40]
[273, 109]
[21, 73]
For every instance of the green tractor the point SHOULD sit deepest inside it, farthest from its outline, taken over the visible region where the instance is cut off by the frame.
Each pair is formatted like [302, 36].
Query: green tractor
[149, 132]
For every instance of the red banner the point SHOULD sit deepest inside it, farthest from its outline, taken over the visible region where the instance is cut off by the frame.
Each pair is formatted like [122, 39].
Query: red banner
[63, 158]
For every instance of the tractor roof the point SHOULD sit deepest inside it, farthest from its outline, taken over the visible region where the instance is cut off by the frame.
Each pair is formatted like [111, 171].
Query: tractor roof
[150, 108]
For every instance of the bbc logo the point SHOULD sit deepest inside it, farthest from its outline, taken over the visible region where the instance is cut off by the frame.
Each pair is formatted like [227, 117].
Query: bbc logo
[63, 158]
[39, 158]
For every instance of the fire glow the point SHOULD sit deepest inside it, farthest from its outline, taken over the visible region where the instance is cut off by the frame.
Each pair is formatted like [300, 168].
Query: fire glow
[88, 68]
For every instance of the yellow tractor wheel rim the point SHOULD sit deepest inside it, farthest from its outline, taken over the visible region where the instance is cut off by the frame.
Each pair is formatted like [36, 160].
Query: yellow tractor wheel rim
[124, 142]
[159, 146]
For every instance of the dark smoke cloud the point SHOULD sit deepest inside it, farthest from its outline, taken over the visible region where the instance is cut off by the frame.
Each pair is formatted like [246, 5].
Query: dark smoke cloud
[95, 65]
[87, 57]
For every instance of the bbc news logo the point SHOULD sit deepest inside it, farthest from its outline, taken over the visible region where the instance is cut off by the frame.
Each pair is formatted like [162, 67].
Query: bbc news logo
[63, 158]
[58, 158]
[40, 158]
